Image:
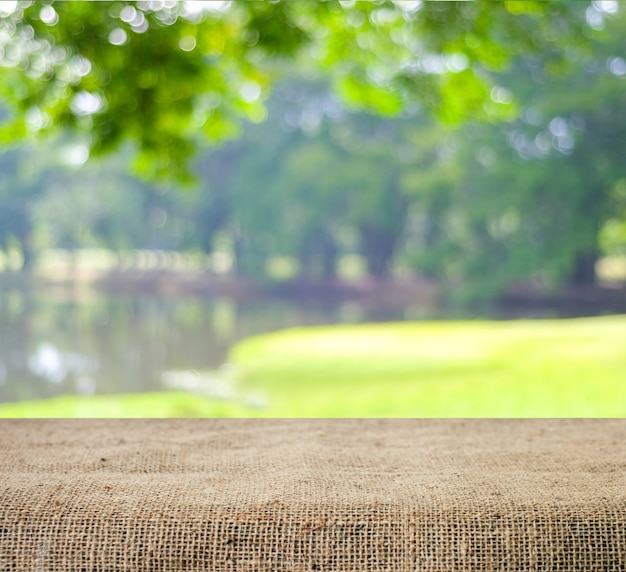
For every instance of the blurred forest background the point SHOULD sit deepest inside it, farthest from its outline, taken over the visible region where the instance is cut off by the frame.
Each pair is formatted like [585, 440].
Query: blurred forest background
[450, 158]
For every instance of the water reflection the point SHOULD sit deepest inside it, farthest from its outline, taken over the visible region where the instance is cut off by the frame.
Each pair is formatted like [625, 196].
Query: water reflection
[54, 366]
[57, 341]
[221, 384]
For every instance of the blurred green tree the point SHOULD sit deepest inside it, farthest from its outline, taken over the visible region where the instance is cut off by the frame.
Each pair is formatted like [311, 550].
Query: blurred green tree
[536, 199]
[159, 72]
[23, 177]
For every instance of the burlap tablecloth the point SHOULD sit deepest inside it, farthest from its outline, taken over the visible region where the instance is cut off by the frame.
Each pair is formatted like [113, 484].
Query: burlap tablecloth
[304, 495]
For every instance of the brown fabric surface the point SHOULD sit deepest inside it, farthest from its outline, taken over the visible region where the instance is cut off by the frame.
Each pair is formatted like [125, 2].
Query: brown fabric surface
[304, 495]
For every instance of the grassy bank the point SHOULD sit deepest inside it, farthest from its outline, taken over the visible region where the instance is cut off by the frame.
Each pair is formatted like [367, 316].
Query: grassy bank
[160, 404]
[552, 368]
[519, 368]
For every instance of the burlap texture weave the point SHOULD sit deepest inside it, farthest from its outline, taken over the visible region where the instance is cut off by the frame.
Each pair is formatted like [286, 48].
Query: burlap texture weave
[304, 495]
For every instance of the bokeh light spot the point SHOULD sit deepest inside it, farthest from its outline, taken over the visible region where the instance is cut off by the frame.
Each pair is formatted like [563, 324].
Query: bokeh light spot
[7, 7]
[606, 6]
[501, 95]
[187, 43]
[75, 155]
[118, 37]
[250, 91]
[617, 66]
[85, 103]
[128, 14]
[48, 15]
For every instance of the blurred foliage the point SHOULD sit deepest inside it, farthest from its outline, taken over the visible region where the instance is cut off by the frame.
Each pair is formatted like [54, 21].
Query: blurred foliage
[536, 192]
[162, 72]
[344, 163]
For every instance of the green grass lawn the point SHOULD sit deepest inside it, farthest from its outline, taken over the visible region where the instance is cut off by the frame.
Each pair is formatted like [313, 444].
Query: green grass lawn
[160, 404]
[548, 368]
[551, 368]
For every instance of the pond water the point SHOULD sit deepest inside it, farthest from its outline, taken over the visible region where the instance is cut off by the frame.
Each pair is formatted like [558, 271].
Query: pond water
[67, 338]
[63, 340]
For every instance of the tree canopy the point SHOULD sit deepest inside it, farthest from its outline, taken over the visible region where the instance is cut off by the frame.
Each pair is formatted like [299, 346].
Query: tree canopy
[167, 74]
[339, 155]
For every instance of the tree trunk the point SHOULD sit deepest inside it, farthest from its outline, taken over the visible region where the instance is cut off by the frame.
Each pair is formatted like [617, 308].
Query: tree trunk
[318, 255]
[378, 248]
[584, 272]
